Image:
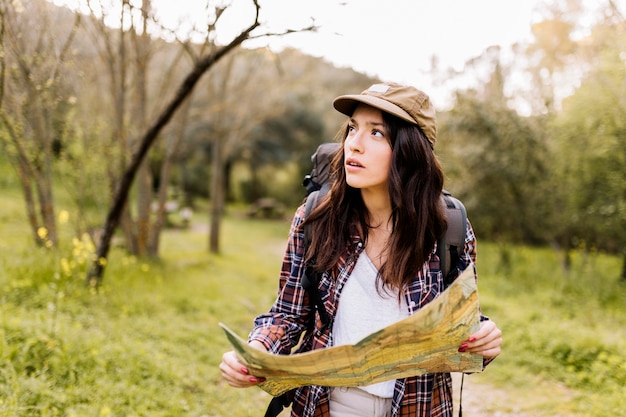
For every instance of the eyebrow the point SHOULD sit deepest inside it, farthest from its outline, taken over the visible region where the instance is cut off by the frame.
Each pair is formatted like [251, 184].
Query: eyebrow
[352, 120]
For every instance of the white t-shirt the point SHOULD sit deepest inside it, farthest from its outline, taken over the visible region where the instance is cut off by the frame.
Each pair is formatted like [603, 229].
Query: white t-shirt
[364, 309]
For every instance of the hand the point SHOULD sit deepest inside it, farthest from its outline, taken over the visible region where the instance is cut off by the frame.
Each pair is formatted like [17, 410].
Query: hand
[235, 373]
[485, 342]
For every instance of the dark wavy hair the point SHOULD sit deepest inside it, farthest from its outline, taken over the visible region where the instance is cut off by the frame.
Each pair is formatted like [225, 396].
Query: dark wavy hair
[415, 184]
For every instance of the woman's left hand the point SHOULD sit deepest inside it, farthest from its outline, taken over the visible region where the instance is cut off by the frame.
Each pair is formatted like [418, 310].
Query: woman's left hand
[485, 342]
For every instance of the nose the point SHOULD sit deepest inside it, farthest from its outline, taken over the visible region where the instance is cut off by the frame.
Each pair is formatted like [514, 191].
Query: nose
[355, 142]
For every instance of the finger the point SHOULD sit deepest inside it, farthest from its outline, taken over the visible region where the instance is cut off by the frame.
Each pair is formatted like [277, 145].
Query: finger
[485, 345]
[489, 346]
[487, 332]
[489, 337]
[235, 373]
[484, 329]
[240, 379]
[494, 336]
[490, 351]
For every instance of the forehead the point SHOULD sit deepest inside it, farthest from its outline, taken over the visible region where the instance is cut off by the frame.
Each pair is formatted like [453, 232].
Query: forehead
[368, 114]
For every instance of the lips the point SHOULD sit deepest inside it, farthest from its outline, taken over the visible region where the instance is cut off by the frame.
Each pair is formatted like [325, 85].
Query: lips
[354, 163]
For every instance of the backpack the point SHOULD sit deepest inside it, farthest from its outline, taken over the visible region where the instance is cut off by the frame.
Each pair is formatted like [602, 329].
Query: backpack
[450, 246]
[453, 241]
[321, 159]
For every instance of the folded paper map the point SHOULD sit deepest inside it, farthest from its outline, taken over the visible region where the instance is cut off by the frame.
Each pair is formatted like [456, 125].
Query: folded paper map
[426, 342]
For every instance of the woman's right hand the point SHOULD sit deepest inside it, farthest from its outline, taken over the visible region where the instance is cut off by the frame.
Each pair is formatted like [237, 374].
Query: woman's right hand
[235, 373]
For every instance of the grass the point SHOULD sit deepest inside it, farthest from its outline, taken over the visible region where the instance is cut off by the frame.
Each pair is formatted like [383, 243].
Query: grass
[149, 344]
[565, 328]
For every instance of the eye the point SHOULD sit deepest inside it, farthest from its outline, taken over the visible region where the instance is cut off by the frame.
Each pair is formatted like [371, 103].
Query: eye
[378, 133]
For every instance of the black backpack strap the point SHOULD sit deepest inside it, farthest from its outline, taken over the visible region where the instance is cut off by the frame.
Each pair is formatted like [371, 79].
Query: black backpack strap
[310, 204]
[452, 244]
[309, 283]
[311, 276]
[277, 404]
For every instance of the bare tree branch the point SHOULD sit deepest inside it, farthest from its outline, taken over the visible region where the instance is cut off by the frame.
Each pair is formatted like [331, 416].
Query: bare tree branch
[94, 276]
[66, 47]
[202, 65]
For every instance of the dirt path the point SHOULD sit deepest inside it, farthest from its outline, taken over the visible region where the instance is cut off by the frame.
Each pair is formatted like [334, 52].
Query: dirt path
[481, 399]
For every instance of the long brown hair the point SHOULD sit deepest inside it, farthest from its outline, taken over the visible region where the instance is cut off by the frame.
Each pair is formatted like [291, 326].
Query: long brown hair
[415, 184]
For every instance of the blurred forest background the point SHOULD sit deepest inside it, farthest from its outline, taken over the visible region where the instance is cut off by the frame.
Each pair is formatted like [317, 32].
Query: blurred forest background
[79, 98]
[171, 153]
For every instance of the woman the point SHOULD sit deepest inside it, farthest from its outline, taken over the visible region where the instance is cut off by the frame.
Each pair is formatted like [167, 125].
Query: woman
[374, 236]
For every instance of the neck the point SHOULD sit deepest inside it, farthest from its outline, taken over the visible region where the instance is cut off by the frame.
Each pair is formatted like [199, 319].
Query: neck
[378, 237]
[379, 209]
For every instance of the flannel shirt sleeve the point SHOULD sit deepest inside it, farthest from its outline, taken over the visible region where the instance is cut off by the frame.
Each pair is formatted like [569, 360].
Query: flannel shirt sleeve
[280, 329]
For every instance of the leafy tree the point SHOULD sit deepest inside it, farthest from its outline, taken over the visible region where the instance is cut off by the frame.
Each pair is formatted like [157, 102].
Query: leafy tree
[560, 171]
[590, 138]
[286, 138]
[260, 109]
[551, 55]
[496, 159]
[238, 101]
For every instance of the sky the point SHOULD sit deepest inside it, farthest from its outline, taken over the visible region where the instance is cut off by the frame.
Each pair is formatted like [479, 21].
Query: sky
[396, 38]
[392, 40]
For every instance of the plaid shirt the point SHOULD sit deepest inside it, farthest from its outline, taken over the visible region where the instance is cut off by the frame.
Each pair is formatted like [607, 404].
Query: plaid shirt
[281, 328]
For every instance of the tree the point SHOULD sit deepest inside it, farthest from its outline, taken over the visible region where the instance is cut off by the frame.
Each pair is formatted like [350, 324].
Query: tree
[34, 101]
[590, 138]
[201, 65]
[139, 69]
[287, 138]
[497, 159]
[232, 125]
[279, 118]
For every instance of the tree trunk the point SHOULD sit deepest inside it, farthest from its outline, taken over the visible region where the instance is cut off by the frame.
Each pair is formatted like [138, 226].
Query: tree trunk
[623, 275]
[143, 221]
[46, 205]
[166, 169]
[128, 230]
[565, 256]
[95, 273]
[216, 195]
[27, 190]
[28, 174]
[144, 181]
[160, 215]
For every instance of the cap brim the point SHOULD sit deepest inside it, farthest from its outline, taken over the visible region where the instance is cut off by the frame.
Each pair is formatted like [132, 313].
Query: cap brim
[346, 105]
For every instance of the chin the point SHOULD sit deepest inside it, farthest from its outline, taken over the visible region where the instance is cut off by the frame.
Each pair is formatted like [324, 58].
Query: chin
[354, 184]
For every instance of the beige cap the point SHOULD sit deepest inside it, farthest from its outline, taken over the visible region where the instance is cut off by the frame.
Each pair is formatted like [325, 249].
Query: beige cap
[407, 103]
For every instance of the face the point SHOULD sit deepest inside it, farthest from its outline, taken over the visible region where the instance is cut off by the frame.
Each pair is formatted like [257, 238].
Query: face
[367, 151]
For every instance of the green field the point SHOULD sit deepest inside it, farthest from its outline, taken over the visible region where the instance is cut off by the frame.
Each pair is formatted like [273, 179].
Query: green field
[148, 344]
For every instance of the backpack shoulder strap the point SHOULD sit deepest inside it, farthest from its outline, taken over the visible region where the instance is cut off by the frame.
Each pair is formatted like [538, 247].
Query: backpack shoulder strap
[311, 202]
[309, 283]
[311, 277]
[452, 244]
